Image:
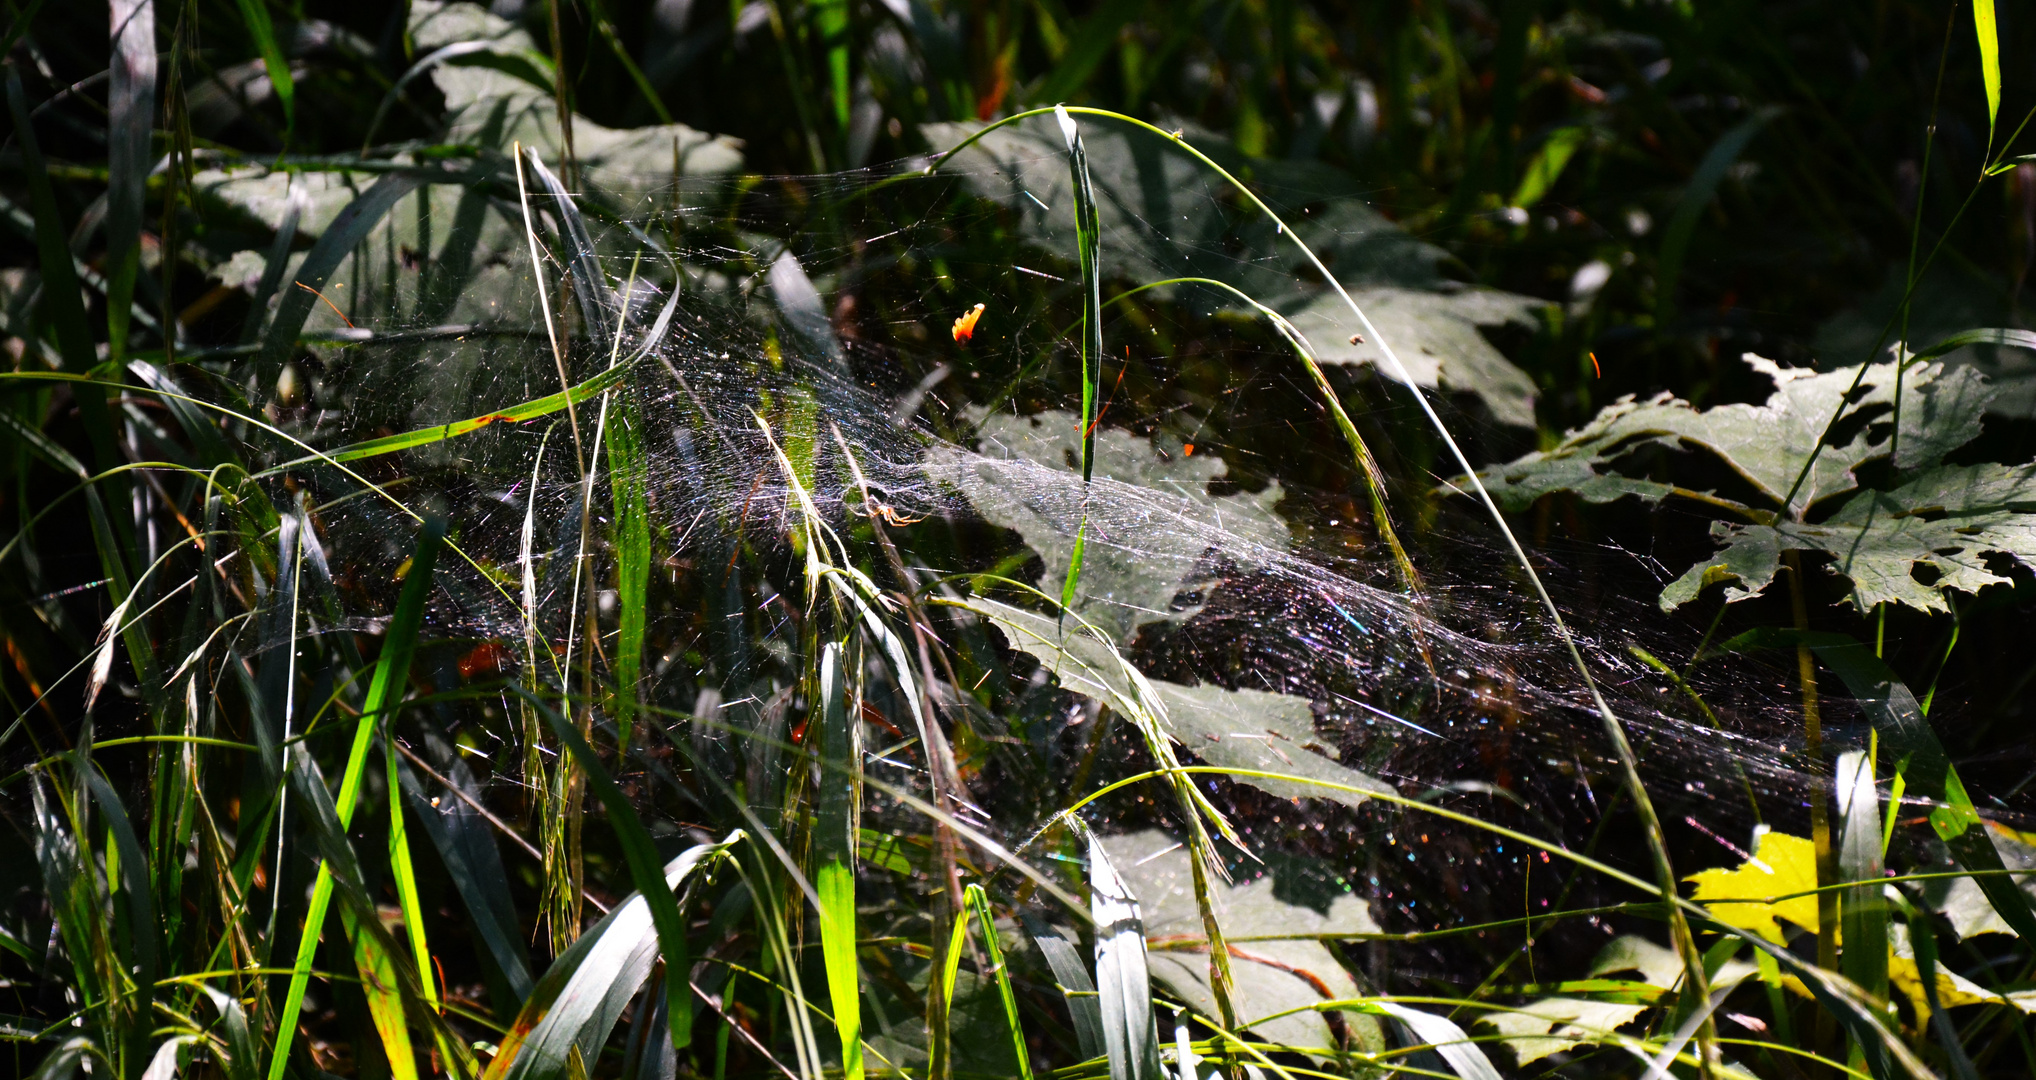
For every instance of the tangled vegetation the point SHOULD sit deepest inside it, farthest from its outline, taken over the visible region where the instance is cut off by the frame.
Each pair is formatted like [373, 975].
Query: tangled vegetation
[813, 538]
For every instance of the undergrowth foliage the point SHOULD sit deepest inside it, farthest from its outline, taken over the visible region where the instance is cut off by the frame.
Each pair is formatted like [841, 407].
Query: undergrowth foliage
[509, 584]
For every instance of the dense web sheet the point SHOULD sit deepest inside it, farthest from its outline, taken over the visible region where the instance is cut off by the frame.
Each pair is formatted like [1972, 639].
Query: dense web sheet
[779, 336]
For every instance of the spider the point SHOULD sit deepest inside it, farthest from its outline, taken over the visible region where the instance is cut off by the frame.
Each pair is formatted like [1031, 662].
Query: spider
[874, 508]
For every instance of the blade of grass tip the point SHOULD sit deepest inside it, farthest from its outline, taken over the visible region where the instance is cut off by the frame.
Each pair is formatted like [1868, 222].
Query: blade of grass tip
[240, 1045]
[590, 284]
[950, 971]
[1865, 913]
[607, 28]
[835, 837]
[1087, 243]
[392, 671]
[583, 994]
[399, 648]
[475, 867]
[645, 868]
[130, 114]
[979, 902]
[1989, 60]
[382, 979]
[1696, 197]
[254, 16]
[1923, 941]
[1123, 983]
[1450, 1041]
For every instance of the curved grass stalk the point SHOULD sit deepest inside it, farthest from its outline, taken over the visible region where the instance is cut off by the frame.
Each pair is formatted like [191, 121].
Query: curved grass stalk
[1361, 456]
[1615, 731]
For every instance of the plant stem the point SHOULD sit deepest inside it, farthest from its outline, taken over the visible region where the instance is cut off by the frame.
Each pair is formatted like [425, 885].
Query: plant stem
[1820, 815]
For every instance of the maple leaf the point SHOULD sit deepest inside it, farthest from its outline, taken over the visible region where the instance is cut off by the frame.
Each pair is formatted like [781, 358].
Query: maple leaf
[1741, 897]
[1943, 521]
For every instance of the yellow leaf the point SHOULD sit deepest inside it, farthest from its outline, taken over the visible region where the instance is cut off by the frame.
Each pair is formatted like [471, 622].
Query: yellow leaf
[1781, 864]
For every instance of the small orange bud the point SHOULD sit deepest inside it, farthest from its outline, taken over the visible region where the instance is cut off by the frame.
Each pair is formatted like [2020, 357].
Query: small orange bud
[965, 324]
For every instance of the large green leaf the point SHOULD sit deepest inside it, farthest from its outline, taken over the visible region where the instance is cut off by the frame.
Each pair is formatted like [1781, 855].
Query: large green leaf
[1764, 444]
[1945, 517]
[1437, 334]
[494, 104]
[1245, 729]
[1949, 519]
[1147, 528]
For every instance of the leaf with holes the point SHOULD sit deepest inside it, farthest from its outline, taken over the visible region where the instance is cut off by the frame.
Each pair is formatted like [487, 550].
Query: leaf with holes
[1948, 519]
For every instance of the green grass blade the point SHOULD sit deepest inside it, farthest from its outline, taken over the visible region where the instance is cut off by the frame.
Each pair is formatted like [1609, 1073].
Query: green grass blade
[346, 232]
[467, 849]
[1547, 166]
[950, 964]
[1088, 245]
[410, 440]
[130, 99]
[61, 305]
[1864, 922]
[273, 270]
[374, 951]
[1073, 979]
[1989, 59]
[1923, 940]
[979, 902]
[644, 868]
[392, 672]
[254, 15]
[836, 812]
[66, 312]
[143, 932]
[627, 468]
[1090, 43]
[1696, 197]
[399, 862]
[607, 28]
[1123, 983]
